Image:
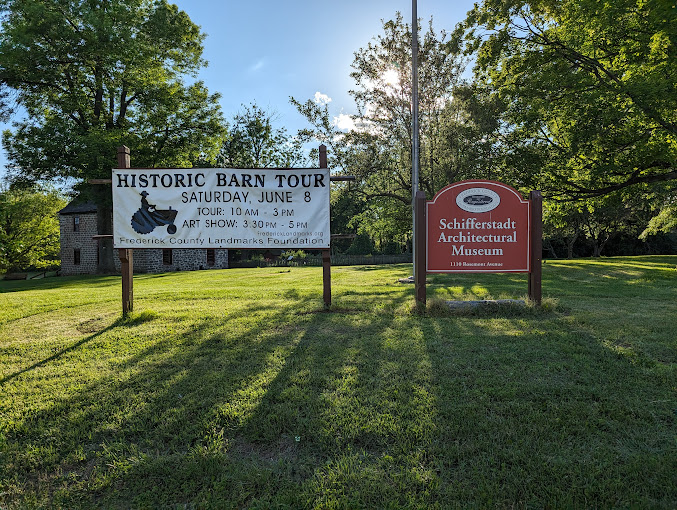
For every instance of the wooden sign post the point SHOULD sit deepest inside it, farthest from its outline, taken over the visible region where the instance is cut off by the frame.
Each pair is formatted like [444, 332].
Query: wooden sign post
[126, 254]
[536, 247]
[480, 227]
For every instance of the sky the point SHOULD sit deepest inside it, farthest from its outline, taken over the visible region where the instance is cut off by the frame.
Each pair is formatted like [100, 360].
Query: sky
[265, 51]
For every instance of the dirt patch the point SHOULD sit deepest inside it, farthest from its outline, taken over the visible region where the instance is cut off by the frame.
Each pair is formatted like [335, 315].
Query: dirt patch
[285, 448]
[93, 325]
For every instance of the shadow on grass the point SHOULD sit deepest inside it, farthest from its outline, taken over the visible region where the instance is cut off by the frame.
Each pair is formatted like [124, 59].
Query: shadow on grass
[159, 406]
[269, 408]
[613, 273]
[60, 282]
[547, 418]
[132, 320]
[196, 404]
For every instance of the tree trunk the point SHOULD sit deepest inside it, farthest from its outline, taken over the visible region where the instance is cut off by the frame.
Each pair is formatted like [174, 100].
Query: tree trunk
[602, 244]
[596, 247]
[570, 247]
[551, 248]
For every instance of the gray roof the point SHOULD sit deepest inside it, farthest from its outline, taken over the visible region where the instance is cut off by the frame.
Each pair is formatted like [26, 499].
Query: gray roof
[76, 207]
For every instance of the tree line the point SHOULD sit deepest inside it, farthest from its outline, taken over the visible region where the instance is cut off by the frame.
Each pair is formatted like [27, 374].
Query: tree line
[575, 98]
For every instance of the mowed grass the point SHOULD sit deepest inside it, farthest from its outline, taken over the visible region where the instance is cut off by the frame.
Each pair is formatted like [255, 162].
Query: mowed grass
[235, 389]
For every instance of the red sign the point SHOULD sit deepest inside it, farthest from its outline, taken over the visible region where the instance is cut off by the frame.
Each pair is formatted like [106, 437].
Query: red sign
[478, 227]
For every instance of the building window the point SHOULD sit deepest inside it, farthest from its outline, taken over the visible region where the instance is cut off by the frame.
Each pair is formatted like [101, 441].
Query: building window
[76, 256]
[211, 257]
[167, 257]
[76, 223]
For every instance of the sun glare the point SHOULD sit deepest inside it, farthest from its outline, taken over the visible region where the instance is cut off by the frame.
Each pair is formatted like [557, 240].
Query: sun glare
[391, 77]
[388, 81]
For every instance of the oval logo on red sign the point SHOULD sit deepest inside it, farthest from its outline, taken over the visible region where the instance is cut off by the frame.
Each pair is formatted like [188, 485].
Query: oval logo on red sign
[477, 200]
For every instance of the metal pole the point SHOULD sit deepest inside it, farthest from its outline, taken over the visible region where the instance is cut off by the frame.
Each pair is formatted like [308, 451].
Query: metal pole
[326, 254]
[415, 127]
[421, 241]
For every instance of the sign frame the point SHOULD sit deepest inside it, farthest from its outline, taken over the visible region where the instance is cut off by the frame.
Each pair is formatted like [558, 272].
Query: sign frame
[493, 196]
[221, 208]
[534, 243]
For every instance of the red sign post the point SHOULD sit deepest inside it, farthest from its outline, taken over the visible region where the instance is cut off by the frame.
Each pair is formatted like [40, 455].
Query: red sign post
[483, 227]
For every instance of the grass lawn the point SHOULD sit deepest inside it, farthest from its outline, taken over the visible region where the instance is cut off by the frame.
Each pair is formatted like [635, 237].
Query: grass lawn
[233, 388]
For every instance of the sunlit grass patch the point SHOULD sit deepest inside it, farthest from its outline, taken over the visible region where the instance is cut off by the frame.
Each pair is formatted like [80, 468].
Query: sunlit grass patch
[238, 389]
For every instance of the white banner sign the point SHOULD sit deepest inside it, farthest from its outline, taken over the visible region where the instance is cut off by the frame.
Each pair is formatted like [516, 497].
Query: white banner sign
[221, 208]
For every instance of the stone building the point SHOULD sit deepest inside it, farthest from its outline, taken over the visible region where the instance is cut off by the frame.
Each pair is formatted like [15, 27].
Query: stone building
[80, 254]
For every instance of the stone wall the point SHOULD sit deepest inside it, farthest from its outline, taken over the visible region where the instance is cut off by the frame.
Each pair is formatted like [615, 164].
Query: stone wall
[82, 240]
[145, 260]
[153, 261]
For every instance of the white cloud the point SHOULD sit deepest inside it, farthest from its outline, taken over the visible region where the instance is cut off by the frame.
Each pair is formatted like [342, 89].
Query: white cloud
[321, 98]
[344, 121]
[351, 123]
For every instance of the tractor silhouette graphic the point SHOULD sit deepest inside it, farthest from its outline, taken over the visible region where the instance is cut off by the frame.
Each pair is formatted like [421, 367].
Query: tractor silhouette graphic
[148, 217]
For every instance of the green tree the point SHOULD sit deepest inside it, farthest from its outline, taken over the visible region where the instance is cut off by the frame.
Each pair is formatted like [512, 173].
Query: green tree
[92, 76]
[470, 134]
[254, 142]
[377, 150]
[589, 89]
[563, 222]
[666, 219]
[95, 75]
[361, 245]
[594, 223]
[29, 228]
[605, 218]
